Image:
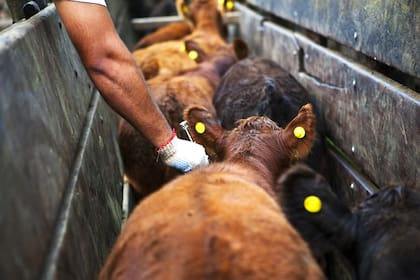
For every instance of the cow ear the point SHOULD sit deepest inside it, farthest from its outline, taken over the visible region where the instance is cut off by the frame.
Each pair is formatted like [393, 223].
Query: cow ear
[314, 210]
[183, 9]
[299, 134]
[204, 129]
[194, 51]
[241, 48]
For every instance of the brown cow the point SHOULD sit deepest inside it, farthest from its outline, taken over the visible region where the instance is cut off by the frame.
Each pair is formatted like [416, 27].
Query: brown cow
[173, 94]
[173, 31]
[221, 221]
[184, 7]
[178, 30]
[169, 57]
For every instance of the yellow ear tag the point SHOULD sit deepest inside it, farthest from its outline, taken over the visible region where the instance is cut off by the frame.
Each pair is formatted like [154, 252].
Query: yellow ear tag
[200, 128]
[312, 204]
[183, 48]
[185, 9]
[299, 132]
[229, 5]
[193, 55]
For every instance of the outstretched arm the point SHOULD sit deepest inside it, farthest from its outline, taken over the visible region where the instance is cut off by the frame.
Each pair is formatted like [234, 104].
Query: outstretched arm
[111, 67]
[115, 74]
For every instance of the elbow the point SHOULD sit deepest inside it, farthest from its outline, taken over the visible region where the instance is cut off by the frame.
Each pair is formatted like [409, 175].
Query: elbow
[98, 62]
[106, 60]
[108, 65]
[96, 67]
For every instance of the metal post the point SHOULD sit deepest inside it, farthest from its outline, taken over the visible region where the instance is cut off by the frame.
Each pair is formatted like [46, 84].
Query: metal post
[140, 24]
[20, 9]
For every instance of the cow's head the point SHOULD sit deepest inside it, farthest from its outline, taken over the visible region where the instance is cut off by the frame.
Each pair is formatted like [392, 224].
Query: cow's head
[223, 6]
[381, 237]
[255, 139]
[192, 9]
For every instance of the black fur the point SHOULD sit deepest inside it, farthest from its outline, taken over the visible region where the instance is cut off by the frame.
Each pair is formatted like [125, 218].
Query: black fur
[380, 237]
[261, 87]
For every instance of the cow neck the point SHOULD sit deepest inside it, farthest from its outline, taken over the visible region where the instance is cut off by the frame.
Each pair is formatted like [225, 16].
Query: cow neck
[255, 172]
[264, 165]
[208, 21]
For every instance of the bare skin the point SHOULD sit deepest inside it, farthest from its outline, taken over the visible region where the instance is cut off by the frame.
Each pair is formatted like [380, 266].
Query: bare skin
[112, 68]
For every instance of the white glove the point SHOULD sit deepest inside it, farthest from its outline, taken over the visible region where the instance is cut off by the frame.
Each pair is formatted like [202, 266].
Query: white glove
[183, 155]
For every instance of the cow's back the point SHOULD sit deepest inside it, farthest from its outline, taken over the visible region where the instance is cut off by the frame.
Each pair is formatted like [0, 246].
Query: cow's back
[210, 224]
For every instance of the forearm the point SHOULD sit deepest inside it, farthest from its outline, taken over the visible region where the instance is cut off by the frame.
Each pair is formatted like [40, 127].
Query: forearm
[123, 87]
[112, 68]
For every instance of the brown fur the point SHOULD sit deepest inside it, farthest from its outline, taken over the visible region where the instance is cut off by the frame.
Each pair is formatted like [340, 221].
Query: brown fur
[180, 6]
[217, 222]
[242, 144]
[168, 58]
[173, 94]
[176, 30]
[173, 31]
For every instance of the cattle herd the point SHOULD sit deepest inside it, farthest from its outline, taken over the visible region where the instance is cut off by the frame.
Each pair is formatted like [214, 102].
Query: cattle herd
[264, 207]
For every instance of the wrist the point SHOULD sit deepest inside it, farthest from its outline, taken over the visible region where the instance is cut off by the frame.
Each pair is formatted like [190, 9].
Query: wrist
[167, 142]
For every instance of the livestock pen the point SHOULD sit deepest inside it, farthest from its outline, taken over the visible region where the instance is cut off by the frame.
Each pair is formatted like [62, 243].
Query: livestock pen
[60, 166]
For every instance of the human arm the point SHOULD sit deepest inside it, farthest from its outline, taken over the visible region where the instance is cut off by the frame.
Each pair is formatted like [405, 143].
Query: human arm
[112, 68]
[115, 74]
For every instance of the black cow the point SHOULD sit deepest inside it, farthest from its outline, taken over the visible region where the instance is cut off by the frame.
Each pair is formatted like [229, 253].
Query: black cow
[380, 237]
[260, 87]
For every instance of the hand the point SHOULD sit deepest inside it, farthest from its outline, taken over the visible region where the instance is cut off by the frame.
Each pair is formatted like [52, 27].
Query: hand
[183, 155]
